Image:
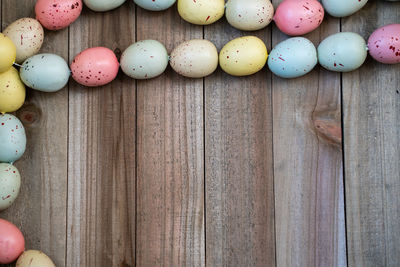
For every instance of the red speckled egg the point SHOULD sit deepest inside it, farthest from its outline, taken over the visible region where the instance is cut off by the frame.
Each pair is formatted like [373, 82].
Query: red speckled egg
[12, 242]
[384, 44]
[298, 17]
[95, 66]
[57, 14]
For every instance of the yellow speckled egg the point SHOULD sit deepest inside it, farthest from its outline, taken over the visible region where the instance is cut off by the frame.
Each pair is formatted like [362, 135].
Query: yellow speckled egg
[34, 258]
[27, 35]
[8, 53]
[12, 91]
[201, 12]
[243, 56]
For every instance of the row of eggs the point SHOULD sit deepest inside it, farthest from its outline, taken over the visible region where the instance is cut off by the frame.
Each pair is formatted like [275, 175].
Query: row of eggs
[293, 17]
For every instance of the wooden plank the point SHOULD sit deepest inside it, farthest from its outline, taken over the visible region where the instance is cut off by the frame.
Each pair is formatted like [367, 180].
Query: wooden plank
[371, 105]
[170, 157]
[310, 228]
[239, 174]
[40, 208]
[101, 176]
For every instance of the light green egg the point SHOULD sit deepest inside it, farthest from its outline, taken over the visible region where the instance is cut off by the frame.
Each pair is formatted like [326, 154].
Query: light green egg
[342, 52]
[10, 183]
[144, 60]
[343, 8]
[45, 72]
[12, 138]
[103, 5]
[155, 5]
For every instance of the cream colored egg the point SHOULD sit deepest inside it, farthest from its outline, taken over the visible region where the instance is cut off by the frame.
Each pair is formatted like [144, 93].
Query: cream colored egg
[12, 91]
[10, 183]
[34, 258]
[249, 15]
[201, 12]
[27, 35]
[243, 56]
[195, 58]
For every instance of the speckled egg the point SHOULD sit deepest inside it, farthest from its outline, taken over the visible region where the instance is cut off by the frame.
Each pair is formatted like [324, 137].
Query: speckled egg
[45, 72]
[298, 17]
[293, 58]
[13, 138]
[343, 8]
[34, 258]
[27, 35]
[201, 12]
[249, 15]
[155, 5]
[12, 91]
[10, 183]
[57, 14]
[95, 66]
[8, 53]
[145, 59]
[343, 52]
[12, 242]
[103, 5]
[384, 44]
[195, 58]
[243, 56]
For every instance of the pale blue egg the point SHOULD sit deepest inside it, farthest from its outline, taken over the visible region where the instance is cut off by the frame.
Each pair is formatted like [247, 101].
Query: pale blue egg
[12, 138]
[45, 72]
[343, 52]
[343, 8]
[293, 58]
[103, 5]
[155, 5]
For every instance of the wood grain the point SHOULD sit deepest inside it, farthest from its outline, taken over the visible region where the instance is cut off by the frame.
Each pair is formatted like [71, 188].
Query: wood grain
[309, 205]
[101, 165]
[170, 164]
[239, 177]
[40, 209]
[371, 105]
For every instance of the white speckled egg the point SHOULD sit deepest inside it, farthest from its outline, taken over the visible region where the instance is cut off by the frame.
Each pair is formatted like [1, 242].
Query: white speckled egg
[103, 5]
[195, 58]
[293, 58]
[45, 72]
[343, 52]
[144, 59]
[201, 12]
[34, 258]
[13, 138]
[27, 35]
[343, 8]
[155, 5]
[243, 56]
[249, 15]
[10, 183]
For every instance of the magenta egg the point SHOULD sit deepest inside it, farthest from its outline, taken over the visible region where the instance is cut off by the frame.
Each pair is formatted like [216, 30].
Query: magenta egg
[12, 242]
[57, 14]
[384, 44]
[298, 17]
[95, 66]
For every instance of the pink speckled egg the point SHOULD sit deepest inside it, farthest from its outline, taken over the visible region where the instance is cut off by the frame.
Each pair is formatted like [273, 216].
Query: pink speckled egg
[298, 17]
[57, 14]
[12, 242]
[384, 44]
[95, 66]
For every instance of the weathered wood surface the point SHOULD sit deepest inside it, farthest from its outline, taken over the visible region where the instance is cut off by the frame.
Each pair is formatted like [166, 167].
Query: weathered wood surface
[371, 105]
[222, 171]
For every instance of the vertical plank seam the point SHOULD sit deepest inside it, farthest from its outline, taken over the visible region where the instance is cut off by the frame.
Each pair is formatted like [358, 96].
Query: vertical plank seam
[136, 150]
[273, 151]
[343, 159]
[204, 167]
[67, 195]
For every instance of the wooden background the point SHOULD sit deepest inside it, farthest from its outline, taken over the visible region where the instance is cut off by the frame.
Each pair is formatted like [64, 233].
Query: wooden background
[224, 171]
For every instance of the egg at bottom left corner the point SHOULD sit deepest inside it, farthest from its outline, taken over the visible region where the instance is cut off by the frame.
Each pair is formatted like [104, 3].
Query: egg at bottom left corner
[12, 91]
[12, 242]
